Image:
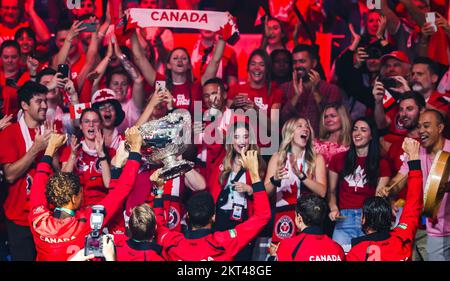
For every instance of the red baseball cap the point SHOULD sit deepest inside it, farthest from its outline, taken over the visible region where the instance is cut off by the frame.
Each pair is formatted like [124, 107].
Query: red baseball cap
[398, 55]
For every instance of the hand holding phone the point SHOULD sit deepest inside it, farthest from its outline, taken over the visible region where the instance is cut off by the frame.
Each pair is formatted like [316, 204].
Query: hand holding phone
[88, 26]
[431, 18]
[64, 70]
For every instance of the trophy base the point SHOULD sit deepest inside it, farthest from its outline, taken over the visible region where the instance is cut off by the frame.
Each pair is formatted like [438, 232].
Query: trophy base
[175, 169]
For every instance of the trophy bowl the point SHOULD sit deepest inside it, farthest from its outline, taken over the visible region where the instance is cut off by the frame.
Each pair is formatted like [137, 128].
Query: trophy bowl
[163, 140]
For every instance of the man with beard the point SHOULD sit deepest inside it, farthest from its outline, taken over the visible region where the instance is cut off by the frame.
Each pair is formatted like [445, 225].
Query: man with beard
[309, 93]
[411, 104]
[22, 146]
[424, 80]
[431, 125]
[392, 82]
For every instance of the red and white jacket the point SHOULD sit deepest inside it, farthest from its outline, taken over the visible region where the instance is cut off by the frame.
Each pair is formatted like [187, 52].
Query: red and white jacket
[58, 239]
[201, 244]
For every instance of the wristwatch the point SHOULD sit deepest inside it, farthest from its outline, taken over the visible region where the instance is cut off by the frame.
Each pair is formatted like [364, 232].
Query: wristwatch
[275, 182]
[157, 191]
[302, 177]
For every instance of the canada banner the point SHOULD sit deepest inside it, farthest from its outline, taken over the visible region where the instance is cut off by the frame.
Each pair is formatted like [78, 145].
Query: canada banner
[76, 109]
[221, 22]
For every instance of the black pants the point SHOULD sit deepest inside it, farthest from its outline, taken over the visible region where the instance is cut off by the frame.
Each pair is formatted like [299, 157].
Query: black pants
[21, 244]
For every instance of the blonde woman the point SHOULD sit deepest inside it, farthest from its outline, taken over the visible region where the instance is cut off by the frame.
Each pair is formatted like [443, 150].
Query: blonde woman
[334, 132]
[230, 184]
[296, 169]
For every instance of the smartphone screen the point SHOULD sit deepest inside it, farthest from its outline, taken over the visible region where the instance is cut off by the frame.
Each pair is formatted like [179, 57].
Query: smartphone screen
[64, 70]
[90, 26]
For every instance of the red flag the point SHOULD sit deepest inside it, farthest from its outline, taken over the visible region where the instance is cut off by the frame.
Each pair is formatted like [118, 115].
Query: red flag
[388, 100]
[76, 109]
[261, 13]
[280, 8]
[123, 30]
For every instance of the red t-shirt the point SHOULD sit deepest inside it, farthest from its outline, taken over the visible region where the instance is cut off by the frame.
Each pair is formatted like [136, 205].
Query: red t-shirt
[13, 148]
[396, 130]
[259, 96]
[354, 189]
[7, 33]
[184, 94]
[90, 172]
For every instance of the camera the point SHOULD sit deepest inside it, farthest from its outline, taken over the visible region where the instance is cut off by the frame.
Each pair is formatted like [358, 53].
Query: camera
[389, 82]
[373, 52]
[94, 240]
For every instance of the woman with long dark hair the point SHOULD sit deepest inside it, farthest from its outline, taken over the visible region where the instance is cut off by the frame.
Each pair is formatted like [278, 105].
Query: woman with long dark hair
[355, 175]
[178, 72]
[258, 92]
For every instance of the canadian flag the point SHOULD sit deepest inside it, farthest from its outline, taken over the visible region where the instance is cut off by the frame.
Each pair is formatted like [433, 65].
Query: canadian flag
[76, 109]
[261, 13]
[388, 100]
[280, 8]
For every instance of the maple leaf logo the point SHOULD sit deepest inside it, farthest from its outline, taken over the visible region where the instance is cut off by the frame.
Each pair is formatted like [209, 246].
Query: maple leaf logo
[226, 31]
[358, 179]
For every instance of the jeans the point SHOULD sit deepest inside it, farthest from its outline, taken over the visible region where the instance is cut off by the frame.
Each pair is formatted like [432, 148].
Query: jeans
[438, 248]
[348, 228]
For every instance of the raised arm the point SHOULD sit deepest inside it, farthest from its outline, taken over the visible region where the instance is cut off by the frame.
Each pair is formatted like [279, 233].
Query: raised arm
[413, 10]
[393, 21]
[121, 188]
[141, 60]
[213, 65]
[380, 116]
[138, 81]
[101, 67]
[42, 33]
[409, 220]
[64, 51]
[91, 55]
[44, 170]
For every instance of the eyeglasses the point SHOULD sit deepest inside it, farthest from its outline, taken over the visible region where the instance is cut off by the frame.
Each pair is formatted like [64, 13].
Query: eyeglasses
[105, 107]
[86, 121]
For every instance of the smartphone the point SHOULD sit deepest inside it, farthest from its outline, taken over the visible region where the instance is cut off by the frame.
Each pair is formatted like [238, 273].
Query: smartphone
[389, 83]
[90, 26]
[431, 18]
[160, 85]
[64, 70]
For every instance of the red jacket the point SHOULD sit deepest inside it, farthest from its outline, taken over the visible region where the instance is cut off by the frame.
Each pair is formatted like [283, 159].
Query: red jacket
[202, 244]
[131, 250]
[310, 245]
[60, 239]
[397, 244]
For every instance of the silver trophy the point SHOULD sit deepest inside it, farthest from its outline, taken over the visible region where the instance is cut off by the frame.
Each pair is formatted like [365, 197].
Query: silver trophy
[165, 139]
